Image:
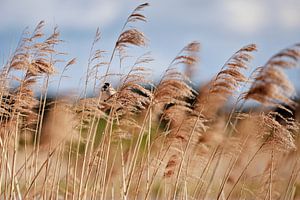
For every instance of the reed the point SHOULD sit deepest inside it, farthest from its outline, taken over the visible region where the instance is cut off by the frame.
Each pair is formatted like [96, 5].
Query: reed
[145, 139]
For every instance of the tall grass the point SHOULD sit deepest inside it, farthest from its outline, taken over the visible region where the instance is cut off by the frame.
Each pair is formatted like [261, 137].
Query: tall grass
[147, 140]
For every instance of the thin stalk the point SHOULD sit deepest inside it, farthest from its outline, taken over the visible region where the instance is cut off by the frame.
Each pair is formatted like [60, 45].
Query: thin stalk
[292, 178]
[271, 173]
[230, 169]
[123, 194]
[244, 170]
[183, 158]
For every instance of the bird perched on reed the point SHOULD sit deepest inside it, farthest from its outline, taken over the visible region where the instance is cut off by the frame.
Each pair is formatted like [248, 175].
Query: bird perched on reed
[107, 92]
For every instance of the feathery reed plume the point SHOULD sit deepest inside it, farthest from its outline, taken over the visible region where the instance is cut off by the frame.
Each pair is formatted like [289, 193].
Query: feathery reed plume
[172, 93]
[230, 76]
[95, 62]
[173, 88]
[136, 14]
[38, 31]
[19, 62]
[274, 133]
[131, 35]
[43, 62]
[192, 52]
[35, 59]
[186, 126]
[132, 97]
[87, 109]
[271, 86]
[228, 80]
[25, 102]
[188, 54]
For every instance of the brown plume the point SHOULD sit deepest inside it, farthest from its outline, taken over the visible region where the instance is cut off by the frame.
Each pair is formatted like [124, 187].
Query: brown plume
[271, 86]
[213, 95]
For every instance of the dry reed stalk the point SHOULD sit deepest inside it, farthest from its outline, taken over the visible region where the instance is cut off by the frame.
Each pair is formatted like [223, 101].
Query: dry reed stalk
[173, 91]
[226, 82]
[131, 79]
[90, 111]
[292, 179]
[46, 57]
[130, 36]
[34, 60]
[271, 86]
[127, 37]
[130, 115]
[130, 99]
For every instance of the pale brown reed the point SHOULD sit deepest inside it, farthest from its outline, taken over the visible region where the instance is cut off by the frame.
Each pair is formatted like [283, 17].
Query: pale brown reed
[271, 87]
[173, 87]
[35, 60]
[213, 95]
[274, 133]
[185, 132]
[185, 126]
[216, 93]
[132, 98]
[129, 34]
[230, 76]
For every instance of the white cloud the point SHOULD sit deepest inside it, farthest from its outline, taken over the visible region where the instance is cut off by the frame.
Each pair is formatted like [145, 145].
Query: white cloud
[246, 17]
[289, 15]
[67, 13]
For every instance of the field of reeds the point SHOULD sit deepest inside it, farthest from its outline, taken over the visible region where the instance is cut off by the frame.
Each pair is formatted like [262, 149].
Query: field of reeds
[235, 137]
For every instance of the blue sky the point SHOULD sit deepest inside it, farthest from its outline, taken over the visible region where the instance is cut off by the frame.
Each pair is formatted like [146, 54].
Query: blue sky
[221, 27]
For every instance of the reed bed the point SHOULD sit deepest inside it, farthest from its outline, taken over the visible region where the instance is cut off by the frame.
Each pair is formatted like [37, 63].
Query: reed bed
[145, 139]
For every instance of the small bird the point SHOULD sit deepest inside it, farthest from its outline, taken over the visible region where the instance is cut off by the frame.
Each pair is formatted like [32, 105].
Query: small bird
[107, 91]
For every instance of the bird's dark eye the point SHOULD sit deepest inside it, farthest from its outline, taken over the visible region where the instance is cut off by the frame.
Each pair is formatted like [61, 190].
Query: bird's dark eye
[106, 84]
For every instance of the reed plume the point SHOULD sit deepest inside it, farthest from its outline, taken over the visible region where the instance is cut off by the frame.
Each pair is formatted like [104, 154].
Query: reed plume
[132, 97]
[274, 133]
[271, 86]
[213, 96]
[35, 60]
[173, 87]
[142, 140]
[185, 126]
[230, 76]
[129, 34]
